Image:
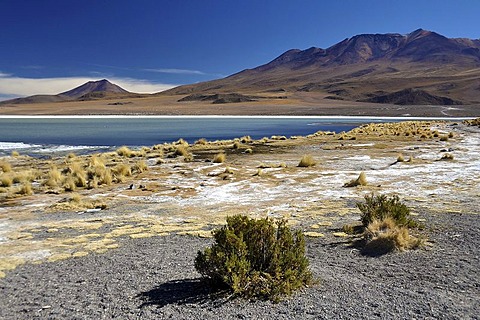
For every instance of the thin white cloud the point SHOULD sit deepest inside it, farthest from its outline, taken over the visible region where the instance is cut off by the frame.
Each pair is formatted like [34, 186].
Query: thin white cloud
[20, 87]
[175, 71]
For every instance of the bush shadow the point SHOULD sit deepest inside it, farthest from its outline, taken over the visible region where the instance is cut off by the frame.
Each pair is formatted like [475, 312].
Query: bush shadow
[180, 292]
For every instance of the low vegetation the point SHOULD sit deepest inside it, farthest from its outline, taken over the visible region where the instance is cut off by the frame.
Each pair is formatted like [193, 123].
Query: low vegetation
[360, 181]
[256, 259]
[307, 161]
[219, 158]
[386, 223]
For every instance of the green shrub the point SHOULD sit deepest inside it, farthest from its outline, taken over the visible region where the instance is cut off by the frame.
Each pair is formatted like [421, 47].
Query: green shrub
[378, 208]
[256, 258]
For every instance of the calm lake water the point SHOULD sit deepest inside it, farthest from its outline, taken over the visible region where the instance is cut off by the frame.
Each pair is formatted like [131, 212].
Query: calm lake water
[34, 135]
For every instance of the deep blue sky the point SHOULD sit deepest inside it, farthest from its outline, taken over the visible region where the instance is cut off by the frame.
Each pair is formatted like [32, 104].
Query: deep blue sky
[152, 42]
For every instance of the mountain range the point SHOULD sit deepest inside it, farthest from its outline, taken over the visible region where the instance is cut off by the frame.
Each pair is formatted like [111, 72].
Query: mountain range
[422, 67]
[419, 68]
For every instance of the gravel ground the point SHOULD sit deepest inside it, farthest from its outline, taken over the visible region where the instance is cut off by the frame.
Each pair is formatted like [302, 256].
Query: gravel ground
[154, 278]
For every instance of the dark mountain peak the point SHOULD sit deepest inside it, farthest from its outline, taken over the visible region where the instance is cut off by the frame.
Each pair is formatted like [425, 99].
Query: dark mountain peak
[103, 85]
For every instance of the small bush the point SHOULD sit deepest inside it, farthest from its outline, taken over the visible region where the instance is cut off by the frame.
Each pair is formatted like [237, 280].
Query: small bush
[307, 161]
[378, 208]
[219, 158]
[400, 158]
[256, 258]
[15, 154]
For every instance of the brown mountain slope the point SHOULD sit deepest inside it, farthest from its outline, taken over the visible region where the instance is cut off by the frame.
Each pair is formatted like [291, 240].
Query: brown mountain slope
[92, 90]
[364, 67]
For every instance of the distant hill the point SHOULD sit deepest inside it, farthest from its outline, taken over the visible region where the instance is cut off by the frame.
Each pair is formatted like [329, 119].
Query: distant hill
[103, 86]
[364, 67]
[92, 90]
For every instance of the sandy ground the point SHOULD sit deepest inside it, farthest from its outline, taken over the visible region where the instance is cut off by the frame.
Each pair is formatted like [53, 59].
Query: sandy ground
[301, 103]
[161, 217]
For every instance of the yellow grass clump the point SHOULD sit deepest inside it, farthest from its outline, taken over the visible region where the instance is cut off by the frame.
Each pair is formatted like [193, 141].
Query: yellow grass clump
[5, 166]
[26, 189]
[15, 154]
[181, 151]
[125, 151]
[6, 180]
[54, 177]
[360, 181]
[447, 157]
[307, 161]
[385, 236]
[219, 158]
[78, 174]
[140, 167]
[77, 203]
[120, 171]
[201, 141]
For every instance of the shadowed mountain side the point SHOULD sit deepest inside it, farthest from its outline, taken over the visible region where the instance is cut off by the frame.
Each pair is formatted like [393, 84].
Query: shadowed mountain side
[412, 97]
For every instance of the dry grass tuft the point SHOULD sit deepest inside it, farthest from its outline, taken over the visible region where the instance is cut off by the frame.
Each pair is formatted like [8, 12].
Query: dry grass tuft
[78, 203]
[307, 161]
[228, 170]
[360, 181]
[259, 173]
[5, 166]
[219, 158]
[249, 151]
[6, 180]
[386, 236]
[26, 189]
[447, 157]
[246, 139]
[140, 167]
[125, 151]
[201, 141]
[69, 184]
[400, 158]
[120, 171]
[78, 174]
[181, 151]
[54, 177]
[15, 154]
